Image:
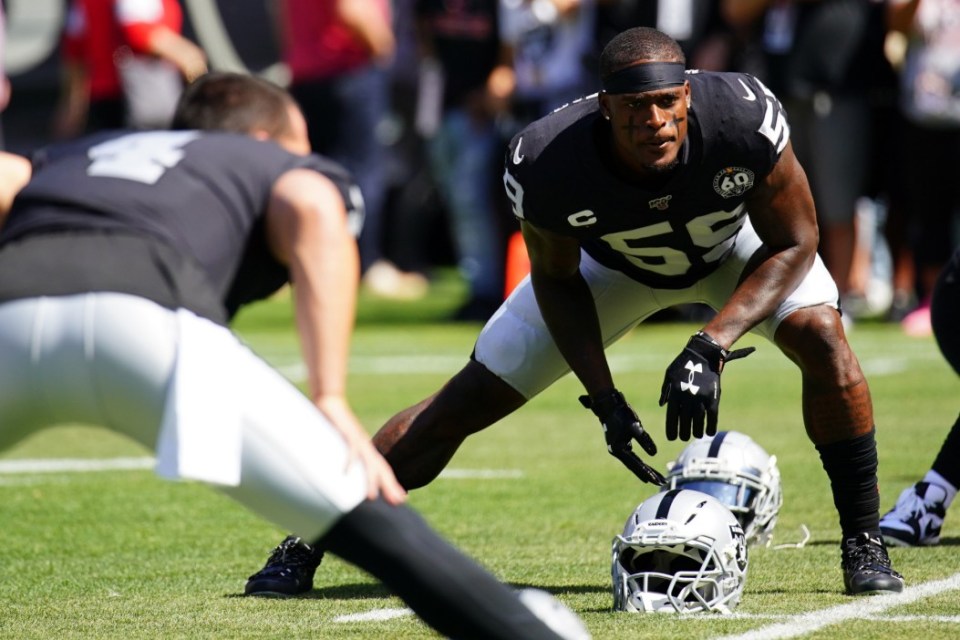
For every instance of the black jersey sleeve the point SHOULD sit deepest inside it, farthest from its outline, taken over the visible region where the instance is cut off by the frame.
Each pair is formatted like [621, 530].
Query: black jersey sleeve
[740, 118]
[259, 274]
[550, 167]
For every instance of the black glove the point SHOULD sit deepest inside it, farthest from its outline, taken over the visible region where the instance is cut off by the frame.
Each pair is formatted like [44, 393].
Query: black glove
[691, 386]
[620, 425]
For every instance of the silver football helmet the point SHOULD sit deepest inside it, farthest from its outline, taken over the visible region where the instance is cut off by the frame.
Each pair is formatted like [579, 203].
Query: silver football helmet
[738, 472]
[681, 551]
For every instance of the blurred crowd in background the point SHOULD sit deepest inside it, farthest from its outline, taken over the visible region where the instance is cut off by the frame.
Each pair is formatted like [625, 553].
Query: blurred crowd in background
[419, 97]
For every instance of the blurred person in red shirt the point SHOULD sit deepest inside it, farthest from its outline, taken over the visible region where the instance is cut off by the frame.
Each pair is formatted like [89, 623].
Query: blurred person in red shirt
[339, 54]
[124, 64]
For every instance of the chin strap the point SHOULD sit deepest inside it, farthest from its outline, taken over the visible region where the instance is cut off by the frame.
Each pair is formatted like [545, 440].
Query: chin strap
[796, 545]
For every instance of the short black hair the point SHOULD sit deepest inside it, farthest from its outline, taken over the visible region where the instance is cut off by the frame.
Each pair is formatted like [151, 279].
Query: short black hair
[639, 43]
[236, 102]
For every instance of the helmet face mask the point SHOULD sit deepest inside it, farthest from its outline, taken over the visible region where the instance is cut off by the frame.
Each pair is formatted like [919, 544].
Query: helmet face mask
[681, 552]
[738, 472]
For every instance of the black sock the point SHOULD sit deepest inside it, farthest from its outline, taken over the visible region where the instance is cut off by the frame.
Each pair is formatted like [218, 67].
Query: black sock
[851, 466]
[448, 590]
[947, 463]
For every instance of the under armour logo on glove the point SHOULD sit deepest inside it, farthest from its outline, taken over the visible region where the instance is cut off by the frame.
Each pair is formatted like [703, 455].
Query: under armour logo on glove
[620, 426]
[691, 387]
[689, 384]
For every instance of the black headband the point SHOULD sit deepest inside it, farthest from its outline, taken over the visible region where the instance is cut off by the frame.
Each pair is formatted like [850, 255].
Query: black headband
[648, 76]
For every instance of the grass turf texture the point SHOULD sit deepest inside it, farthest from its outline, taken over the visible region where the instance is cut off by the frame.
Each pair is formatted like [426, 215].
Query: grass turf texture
[122, 554]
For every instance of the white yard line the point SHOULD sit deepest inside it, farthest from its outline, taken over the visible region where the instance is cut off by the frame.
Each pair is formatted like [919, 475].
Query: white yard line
[805, 623]
[480, 474]
[377, 615]
[84, 465]
[59, 465]
[880, 617]
[374, 616]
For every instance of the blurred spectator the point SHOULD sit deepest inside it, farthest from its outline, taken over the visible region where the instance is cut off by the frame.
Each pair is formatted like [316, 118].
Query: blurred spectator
[468, 78]
[338, 53]
[822, 59]
[4, 81]
[91, 97]
[124, 64]
[551, 41]
[415, 229]
[157, 61]
[930, 100]
[696, 25]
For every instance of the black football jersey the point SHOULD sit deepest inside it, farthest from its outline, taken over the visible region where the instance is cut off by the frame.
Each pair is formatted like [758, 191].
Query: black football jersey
[671, 236]
[203, 194]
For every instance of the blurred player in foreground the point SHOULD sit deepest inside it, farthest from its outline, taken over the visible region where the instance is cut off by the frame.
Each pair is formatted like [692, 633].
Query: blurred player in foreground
[121, 262]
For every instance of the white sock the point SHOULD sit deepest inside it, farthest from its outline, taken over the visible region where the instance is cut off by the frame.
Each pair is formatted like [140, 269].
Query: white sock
[935, 478]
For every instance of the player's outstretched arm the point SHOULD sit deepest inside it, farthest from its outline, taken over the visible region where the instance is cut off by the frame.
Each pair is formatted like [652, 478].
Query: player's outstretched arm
[307, 230]
[567, 306]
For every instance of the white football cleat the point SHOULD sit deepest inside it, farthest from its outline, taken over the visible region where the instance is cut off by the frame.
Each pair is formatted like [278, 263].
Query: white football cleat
[917, 517]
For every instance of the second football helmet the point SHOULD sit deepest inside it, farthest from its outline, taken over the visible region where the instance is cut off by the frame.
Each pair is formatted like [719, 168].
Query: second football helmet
[681, 551]
[738, 472]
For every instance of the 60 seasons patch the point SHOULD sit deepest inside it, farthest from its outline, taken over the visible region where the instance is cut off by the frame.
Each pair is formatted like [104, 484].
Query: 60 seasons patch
[733, 181]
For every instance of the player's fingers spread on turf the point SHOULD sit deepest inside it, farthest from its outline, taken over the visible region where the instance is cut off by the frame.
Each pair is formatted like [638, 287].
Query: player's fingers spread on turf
[381, 481]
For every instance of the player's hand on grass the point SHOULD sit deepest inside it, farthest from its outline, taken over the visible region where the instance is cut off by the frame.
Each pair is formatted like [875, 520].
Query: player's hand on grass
[691, 387]
[380, 478]
[620, 426]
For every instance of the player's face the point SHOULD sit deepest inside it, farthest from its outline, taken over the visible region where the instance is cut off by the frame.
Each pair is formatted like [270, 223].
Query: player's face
[648, 128]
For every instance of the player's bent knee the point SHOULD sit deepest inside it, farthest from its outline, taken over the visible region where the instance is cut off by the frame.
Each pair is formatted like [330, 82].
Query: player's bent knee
[814, 339]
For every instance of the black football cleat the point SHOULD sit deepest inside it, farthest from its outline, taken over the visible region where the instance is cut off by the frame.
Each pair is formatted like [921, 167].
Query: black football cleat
[866, 567]
[289, 570]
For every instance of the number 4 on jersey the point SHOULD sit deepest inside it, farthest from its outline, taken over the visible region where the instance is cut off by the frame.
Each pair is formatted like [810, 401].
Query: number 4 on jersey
[141, 157]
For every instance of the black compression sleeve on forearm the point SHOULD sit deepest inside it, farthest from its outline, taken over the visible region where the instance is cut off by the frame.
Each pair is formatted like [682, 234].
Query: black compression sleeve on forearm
[449, 591]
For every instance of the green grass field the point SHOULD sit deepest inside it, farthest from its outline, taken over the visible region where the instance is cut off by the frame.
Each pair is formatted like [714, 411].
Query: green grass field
[536, 499]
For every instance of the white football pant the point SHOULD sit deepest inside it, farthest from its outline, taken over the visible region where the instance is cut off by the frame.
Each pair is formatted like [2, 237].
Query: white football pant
[516, 345]
[180, 385]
